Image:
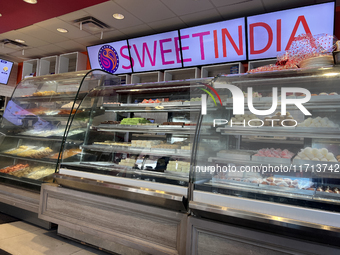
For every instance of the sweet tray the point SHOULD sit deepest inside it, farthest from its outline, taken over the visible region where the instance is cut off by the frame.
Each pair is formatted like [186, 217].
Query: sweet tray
[181, 174]
[234, 156]
[238, 183]
[326, 195]
[288, 190]
[259, 159]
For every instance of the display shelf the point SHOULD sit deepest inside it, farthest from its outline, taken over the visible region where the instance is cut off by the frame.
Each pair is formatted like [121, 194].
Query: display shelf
[214, 70]
[145, 129]
[282, 132]
[137, 150]
[45, 161]
[182, 74]
[36, 138]
[258, 63]
[48, 65]
[71, 62]
[147, 77]
[30, 68]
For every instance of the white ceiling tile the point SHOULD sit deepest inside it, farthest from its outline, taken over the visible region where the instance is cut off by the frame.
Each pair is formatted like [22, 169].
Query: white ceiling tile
[43, 34]
[147, 10]
[137, 31]
[271, 5]
[52, 49]
[74, 15]
[6, 50]
[12, 58]
[88, 40]
[29, 40]
[71, 46]
[242, 9]
[30, 53]
[53, 24]
[200, 18]
[112, 36]
[104, 12]
[167, 24]
[182, 7]
[219, 3]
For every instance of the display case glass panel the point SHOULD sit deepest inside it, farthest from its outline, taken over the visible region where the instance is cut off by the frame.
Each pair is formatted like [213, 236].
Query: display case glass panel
[141, 132]
[274, 138]
[35, 120]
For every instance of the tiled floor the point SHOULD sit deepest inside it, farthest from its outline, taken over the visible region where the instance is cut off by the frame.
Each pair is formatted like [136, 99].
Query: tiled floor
[21, 238]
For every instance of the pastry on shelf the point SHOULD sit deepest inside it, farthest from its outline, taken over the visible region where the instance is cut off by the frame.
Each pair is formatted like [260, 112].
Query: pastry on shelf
[45, 93]
[11, 169]
[178, 166]
[318, 122]
[316, 155]
[133, 121]
[145, 143]
[65, 154]
[113, 143]
[37, 154]
[67, 112]
[110, 122]
[150, 101]
[69, 106]
[166, 146]
[173, 123]
[21, 148]
[275, 153]
[41, 173]
[242, 120]
[131, 162]
[277, 119]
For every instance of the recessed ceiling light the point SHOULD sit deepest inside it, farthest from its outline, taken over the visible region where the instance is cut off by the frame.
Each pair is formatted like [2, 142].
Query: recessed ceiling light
[118, 16]
[0, 15]
[62, 30]
[31, 1]
[19, 41]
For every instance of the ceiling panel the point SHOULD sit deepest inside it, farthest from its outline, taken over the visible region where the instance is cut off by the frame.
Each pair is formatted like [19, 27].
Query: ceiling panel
[29, 53]
[138, 31]
[43, 34]
[29, 40]
[74, 15]
[111, 36]
[88, 40]
[182, 7]
[71, 46]
[52, 49]
[241, 9]
[147, 10]
[104, 12]
[53, 24]
[6, 50]
[271, 5]
[200, 18]
[219, 3]
[167, 24]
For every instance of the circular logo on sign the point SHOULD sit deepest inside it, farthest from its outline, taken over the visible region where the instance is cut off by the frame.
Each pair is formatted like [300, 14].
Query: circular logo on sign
[108, 58]
[5, 68]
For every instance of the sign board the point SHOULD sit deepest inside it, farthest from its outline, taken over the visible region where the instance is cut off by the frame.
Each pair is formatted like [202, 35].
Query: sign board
[155, 52]
[272, 33]
[214, 43]
[5, 70]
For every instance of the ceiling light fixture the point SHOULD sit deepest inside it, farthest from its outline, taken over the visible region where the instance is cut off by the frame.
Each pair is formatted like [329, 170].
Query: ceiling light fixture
[0, 15]
[19, 41]
[118, 16]
[31, 1]
[62, 30]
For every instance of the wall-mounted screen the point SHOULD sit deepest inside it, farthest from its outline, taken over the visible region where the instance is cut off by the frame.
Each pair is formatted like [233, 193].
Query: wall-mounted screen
[155, 52]
[218, 42]
[5, 70]
[272, 33]
[111, 57]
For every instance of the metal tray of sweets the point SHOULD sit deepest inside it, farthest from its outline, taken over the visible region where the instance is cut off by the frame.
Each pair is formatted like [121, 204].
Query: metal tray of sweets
[288, 190]
[269, 160]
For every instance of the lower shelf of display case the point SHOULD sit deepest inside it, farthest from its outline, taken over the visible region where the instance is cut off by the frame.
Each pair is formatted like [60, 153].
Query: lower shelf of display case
[178, 153]
[44, 161]
[112, 169]
[332, 133]
[124, 180]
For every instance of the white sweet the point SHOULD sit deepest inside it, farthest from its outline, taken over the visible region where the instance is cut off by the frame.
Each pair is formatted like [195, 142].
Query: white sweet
[318, 118]
[309, 155]
[324, 159]
[301, 154]
[319, 155]
[307, 150]
[308, 121]
[315, 121]
[315, 151]
[315, 159]
[329, 156]
[333, 160]
[318, 124]
[305, 158]
[324, 151]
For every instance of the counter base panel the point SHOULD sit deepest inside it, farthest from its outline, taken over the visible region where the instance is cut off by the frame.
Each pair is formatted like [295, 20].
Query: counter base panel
[275, 210]
[209, 237]
[148, 229]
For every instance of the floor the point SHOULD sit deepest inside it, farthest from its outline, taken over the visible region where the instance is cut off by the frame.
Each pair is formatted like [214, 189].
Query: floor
[21, 238]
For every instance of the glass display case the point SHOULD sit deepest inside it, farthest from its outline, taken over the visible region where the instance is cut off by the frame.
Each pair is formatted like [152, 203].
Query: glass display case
[138, 136]
[276, 155]
[34, 123]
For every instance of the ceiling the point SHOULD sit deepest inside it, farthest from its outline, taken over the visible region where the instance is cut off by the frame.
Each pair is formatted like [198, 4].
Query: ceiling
[37, 24]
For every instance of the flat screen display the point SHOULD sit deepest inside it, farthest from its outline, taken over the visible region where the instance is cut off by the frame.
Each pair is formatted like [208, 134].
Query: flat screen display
[5, 70]
[155, 52]
[272, 33]
[218, 42]
[112, 57]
